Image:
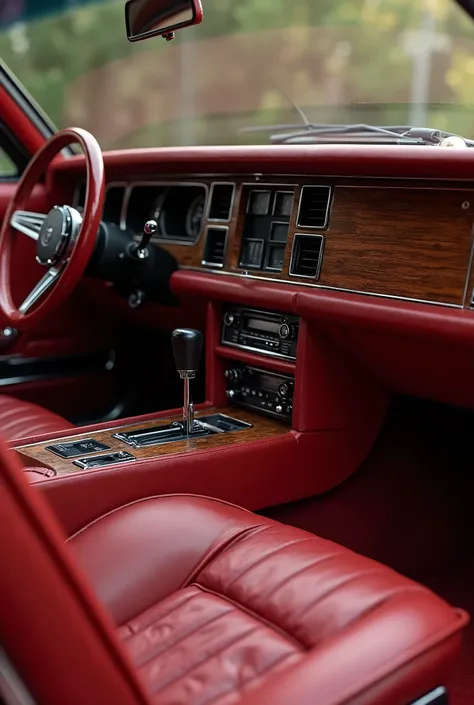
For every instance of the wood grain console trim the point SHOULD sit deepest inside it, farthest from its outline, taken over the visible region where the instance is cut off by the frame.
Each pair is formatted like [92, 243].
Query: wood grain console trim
[391, 238]
[262, 427]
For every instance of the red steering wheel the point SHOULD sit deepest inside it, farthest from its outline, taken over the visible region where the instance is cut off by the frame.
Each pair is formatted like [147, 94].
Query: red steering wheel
[65, 238]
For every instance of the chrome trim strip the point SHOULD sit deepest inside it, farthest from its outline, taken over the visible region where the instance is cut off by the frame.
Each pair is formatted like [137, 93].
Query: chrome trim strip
[268, 353]
[320, 260]
[232, 201]
[309, 177]
[328, 207]
[319, 286]
[466, 299]
[177, 183]
[215, 227]
[12, 689]
[112, 184]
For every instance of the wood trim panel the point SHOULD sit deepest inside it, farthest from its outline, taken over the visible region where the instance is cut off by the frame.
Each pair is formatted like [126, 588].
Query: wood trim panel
[384, 237]
[391, 237]
[36, 454]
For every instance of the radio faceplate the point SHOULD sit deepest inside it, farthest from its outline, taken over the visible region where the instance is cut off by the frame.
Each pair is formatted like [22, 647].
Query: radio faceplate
[268, 392]
[264, 332]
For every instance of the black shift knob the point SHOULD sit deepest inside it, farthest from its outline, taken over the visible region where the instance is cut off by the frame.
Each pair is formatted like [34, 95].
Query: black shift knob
[187, 349]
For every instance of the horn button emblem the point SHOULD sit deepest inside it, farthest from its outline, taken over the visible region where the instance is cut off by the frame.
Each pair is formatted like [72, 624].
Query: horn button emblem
[54, 236]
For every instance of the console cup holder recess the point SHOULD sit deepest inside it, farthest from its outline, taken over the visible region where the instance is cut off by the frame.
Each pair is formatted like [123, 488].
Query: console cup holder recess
[174, 432]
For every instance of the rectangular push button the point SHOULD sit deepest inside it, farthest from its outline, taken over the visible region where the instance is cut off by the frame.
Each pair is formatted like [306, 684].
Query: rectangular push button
[100, 461]
[76, 448]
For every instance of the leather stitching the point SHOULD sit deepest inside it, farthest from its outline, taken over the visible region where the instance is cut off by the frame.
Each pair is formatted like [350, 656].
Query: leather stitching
[300, 572]
[257, 617]
[134, 632]
[162, 647]
[335, 588]
[148, 499]
[219, 547]
[247, 681]
[270, 554]
[207, 658]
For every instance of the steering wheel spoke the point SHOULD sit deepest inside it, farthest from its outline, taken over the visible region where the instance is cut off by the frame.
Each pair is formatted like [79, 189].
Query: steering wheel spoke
[40, 289]
[64, 238]
[28, 223]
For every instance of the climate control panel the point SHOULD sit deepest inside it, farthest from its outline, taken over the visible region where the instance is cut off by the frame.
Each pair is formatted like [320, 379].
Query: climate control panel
[268, 392]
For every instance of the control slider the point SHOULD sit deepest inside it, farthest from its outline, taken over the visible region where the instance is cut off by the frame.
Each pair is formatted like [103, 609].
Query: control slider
[209, 425]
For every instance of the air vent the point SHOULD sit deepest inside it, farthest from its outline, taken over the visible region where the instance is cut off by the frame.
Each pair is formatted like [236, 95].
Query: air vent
[306, 256]
[214, 249]
[314, 207]
[221, 202]
[113, 204]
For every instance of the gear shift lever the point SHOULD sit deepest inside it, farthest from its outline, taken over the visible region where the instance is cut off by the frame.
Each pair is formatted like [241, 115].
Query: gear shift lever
[187, 349]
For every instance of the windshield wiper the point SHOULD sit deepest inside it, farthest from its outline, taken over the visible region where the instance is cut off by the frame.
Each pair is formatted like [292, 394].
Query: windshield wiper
[310, 133]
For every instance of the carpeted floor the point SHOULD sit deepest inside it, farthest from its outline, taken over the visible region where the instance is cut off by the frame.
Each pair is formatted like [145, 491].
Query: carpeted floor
[411, 506]
[457, 587]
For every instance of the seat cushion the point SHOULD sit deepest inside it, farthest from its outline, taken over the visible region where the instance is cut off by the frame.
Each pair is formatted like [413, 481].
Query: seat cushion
[19, 419]
[217, 605]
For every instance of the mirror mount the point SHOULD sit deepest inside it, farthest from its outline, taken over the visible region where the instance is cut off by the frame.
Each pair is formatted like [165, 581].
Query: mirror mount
[152, 18]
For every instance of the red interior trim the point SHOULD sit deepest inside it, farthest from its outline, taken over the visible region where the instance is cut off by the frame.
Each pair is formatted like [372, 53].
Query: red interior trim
[19, 123]
[440, 323]
[383, 161]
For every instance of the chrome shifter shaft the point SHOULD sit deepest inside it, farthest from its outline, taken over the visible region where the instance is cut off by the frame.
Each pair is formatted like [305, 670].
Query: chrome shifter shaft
[187, 349]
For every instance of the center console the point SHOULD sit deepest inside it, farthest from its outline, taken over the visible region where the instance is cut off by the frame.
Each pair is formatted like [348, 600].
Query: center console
[253, 393]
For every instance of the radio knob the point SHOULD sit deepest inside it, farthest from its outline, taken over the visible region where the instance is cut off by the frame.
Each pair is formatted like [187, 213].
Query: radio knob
[287, 331]
[283, 389]
[230, 393]
[279, 409]
[229, 318]
[233, 375]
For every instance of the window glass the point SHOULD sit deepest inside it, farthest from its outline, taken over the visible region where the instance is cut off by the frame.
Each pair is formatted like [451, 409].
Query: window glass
[384, 62]
[7, 167]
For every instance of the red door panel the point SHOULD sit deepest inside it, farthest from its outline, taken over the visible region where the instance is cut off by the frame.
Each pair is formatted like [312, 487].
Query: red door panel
[73, 330]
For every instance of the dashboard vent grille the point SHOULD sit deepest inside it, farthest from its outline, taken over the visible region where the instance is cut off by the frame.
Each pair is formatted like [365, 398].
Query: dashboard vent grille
[221, 202]
[215, 247]
[306, 256]
[314, 207]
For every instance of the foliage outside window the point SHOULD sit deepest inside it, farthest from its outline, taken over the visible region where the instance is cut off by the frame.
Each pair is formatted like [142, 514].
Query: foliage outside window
[376, 61]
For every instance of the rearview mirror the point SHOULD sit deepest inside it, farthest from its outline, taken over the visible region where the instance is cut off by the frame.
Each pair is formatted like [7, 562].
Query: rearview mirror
[149, 18]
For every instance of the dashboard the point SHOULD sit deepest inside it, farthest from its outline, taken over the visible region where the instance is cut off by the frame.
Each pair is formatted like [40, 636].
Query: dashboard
[370, 247]
[398, 238]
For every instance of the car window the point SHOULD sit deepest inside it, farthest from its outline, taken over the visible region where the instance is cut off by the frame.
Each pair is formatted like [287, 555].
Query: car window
[7, 166]
[382, 62]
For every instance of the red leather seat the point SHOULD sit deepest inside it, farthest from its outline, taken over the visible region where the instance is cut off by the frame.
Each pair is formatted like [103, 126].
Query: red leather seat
[19, 419]
[211, 605]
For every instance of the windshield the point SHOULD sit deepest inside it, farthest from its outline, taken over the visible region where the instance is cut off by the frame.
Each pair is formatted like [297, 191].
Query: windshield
[383, 62]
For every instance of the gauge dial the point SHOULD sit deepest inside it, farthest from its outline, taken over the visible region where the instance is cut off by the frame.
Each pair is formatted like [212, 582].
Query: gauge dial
[157, 208]
[195, 217]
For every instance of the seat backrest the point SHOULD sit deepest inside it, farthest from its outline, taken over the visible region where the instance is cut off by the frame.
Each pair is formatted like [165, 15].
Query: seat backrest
[53, 630]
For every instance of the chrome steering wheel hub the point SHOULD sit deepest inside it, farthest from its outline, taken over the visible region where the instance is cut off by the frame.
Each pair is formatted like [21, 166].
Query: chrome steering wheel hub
[57, 235]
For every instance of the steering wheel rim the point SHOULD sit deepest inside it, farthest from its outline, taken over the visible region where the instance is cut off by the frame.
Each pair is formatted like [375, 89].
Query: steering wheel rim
[66, 273]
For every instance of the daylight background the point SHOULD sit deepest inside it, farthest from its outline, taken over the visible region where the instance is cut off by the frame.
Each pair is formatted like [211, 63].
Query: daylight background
[378, 61]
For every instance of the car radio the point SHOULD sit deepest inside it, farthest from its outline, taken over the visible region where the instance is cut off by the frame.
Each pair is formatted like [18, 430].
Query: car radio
[261, 331]
[268, 392]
